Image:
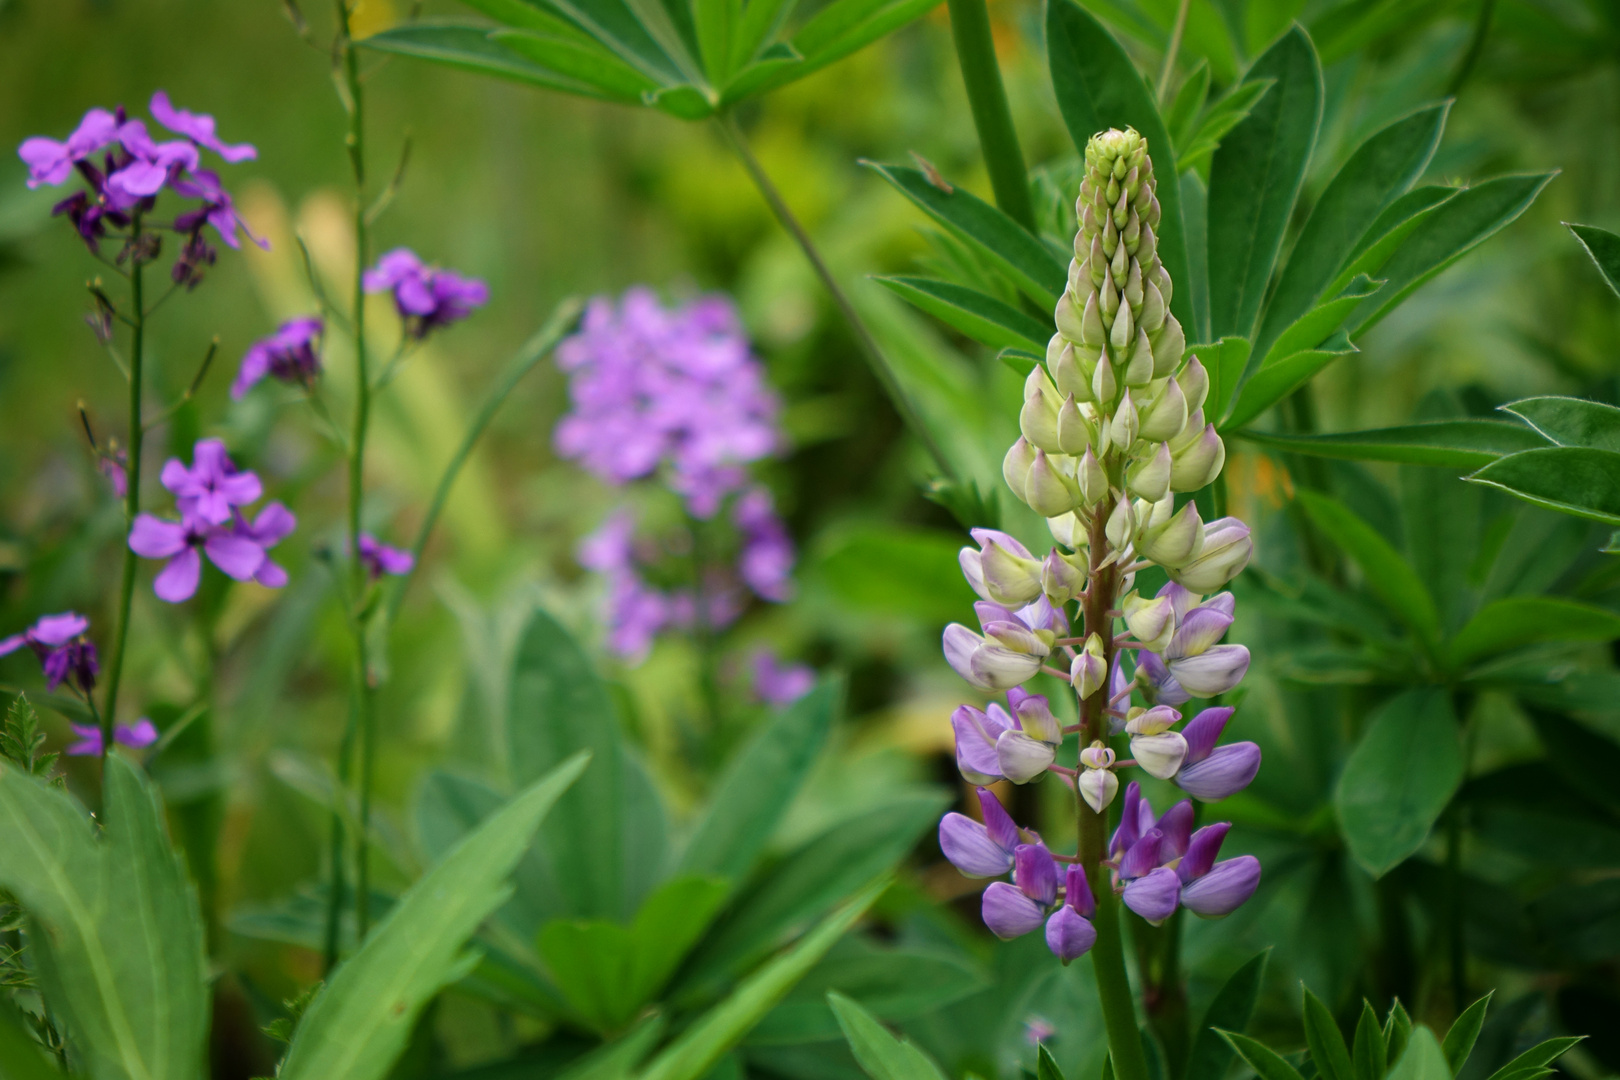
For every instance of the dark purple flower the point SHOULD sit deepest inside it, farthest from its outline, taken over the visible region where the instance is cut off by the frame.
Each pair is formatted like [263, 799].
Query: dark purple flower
[425, 297]
[980, 850]
[1009, 913]
[213, 487]
[1213, 772]
[287, 355]
[1035, 873]
[1069, 933]
[217, 209]
[199, 128]
[136, 736]
[776, 683]
[379, 559]
[64, 652]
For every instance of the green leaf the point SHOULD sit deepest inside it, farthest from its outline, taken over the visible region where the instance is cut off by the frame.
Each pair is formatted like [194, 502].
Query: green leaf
[1455, 444]
[1604, 248]
[1464, 1032]
[1571, 421]
[1422, 1059]
[982, 318]
[122, 959]
[1225, 361]
[880, 1054]
[583, 60]
[1254, 179]
[692, 1055]
[1231, 1010]
[1389, 231]
[1266, 1062]
[1328, 1051]
[1443, 235]
[1380, 171]
[715, 22]
[836, 31]
[1539, 1055]
[1222, 117]
[1030, 263]
[891, 570]
[1021, 361]
[1277, 379]
[1516, 621]
[1399, 778]
[21, 1057]
[471, 48]
[1319, 324]
[1098, 88]
[1368, 1061]
[1571, 480]
[361, 1021]
[1387, 573]
[1397, 1032]
[1586, 760]
[1046, 1066]
[761, 19]
[758, 785]
[1182, 118]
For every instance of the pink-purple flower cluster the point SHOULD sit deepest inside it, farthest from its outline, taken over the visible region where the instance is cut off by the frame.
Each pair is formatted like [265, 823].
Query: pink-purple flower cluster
[210, 496]
[133, 169]
[288, 355]
[65, 651]
[676, 387]
[426, 297]
[137, 736]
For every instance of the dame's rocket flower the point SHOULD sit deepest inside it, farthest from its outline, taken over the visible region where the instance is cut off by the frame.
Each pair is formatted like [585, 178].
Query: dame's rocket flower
[779, 684]
[288, 355]
[199, 128]
[65, 652]
[426, 297]
[379, 559]
[136, 736]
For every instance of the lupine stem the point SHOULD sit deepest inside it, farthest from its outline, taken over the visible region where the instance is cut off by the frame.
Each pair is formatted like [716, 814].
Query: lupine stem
[132, 490]
[874, 355]
[998, 139]
[1108, 955]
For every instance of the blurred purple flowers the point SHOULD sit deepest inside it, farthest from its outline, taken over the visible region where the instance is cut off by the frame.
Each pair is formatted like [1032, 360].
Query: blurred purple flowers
[133, 170]
[779, 684]
[137, 736]
[209, 496]
[426, 297]
[288, 355]
[379, 559]
[655, 386]
[64, 651]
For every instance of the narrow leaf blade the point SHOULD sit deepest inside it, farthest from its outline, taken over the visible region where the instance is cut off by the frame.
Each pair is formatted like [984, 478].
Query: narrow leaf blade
[1571, 480]
[1455, 444]
[982, 318]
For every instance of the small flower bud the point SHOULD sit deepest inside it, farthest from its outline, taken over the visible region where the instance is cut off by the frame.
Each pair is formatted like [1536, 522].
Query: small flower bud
[1097, 756]
[1015, 466]
[1170, 343]
[1093, 482]
[1098, 786]
[1068, 530]
[1123, 333]
[1139, 369]
[1153, 622]
[1164, 419]
[1036, 720]
[1194, 382]
[1009, 578]
[1022, 758]
[1176, 542]
[1049, 492]
[1121, 527]
[1227, 549]
[1092, 331]
[1071, 312]
[1104, 383]
[1062, 577]
[1089, 671]
[1125, 424]
[1038, 421]
[1154, 721]
[1075, 433]
[1158, 755]
[1199, 462]
[1150, 477]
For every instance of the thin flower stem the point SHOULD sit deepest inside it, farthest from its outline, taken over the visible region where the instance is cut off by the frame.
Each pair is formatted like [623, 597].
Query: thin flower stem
[1056, 673]
[132, 497]
[1063, 770]
[191, 391]
[1169, 69]
[874, 355]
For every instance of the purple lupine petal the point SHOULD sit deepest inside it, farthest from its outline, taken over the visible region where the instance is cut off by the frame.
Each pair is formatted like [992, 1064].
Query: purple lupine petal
[1009, 543]
[1077, 891]
[237, 556]
[1224, 889]
[1176, 825]
[1213, 672]
[89, 743]
[55, 630]
[12, 644]
[1035, 873]
[137, 736]
[1182, 600]
[960, 643]
[1129, 830]
[1226, 771]
[988, 611]
[1202, 628]
[781, 684]
[1009, 913]
[198, 127]
[1166, 689]
[1202, 849]
[177, 581]
[1204, 730]
[153, 538]
[1069, 935]
[1143, 856]
[1154, 896]
[997, 822]
[271, 575]
[975, 749]
[970, 848]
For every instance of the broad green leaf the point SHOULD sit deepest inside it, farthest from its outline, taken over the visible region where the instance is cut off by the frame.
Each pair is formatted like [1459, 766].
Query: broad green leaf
[1098, 88]
[1266, 1062]
[21, 1057]
[1389, 576]
[1222, 117]
[1539, 1055]
[758, 785]
[1225, 361]
[1254, 179]
[761, 19]
[1569, 421]
[586, 61]
[1030, 263]
[1390, 231]
[1281, 377]
[982, 318]
[1422, 1058]
[1463, 1033]
[363, 1018]
[1021, 361]
[1444, 235]
[1379, 172]
[895, 571]
[471, 48]
[1328, 1051]
[1231, 1009]
[122, 957]
[1181, 119]
[1455, 444]
[719, 1029]
[1368, 1059]
[1604, 248]
[1399, 778]
[1571, 480]
[1321, 322]
[1516, 621]
[880, 1054]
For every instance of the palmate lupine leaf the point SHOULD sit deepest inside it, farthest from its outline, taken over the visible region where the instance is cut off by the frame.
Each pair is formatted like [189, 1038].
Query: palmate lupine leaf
[1389, 576]
[1569, 421]
[122, 958]
[982, 318]
[1457, 444]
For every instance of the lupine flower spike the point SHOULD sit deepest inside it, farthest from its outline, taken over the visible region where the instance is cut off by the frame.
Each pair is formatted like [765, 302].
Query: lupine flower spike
[1112, 430]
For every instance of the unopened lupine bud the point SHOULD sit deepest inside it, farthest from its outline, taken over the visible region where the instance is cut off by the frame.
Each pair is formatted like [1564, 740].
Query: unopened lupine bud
[1015, 465]
[1010, 576]
[1036, 719]
[1038, 420]
[1194, 380]
[1199, 462]
[1047, 490]
[1150, 478]
[1171, 343]
[1068, 530]
[1075, 433]
[1098, 788]
[1126, 425]
[1104, 383]
[1089, 670]
[1062, 577]
[1154, 721]
[1139, 370]
[1023, 758]
[1153, 622]
[1175, 542]
[1121, 526]
[1068, 374]
[1069, 935]
[1092, 481]
[1226, 771]
[1226, 551]
[1213, 672]
[1159, 755]
[1165, 418]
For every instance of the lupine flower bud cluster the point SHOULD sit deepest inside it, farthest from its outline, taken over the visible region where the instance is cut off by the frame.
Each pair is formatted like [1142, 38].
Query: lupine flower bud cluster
[1112, 430]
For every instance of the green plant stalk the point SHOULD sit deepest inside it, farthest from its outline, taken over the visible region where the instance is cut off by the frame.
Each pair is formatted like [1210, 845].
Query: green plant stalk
[1108, 954]
[132, 490]
[863, 337]
[332, 944]
[1169, 70]
[1476, 47]
[998, 139]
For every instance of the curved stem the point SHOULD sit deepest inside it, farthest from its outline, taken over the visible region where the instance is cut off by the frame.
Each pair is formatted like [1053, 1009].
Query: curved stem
[998, 139]
[132, 490]
[874, 355]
